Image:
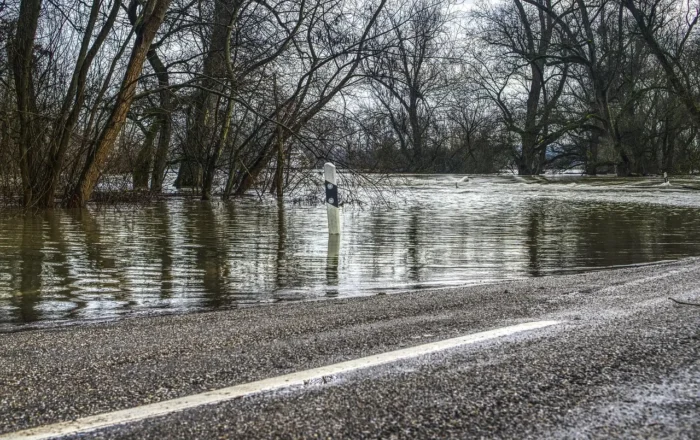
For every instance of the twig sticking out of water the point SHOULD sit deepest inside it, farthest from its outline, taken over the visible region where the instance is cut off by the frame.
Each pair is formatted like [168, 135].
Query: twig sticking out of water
[684, 303]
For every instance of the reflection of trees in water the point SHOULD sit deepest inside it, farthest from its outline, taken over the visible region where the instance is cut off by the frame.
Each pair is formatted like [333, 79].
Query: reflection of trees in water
[536, 223]
[103, 238]
[281, 260]
[45, 266]
[570, 236]
[157, 240]
[252, 238]
[31, 263]
[611, 235]
[566, 236]
[391, 245]
[60, 265]
[584, 235]
[189, 254]
[210, 253]
[681, 232]
[420, 244]
[93, 236]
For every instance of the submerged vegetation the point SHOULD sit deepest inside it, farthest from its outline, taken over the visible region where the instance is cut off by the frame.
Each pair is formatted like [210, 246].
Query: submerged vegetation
[239, 96]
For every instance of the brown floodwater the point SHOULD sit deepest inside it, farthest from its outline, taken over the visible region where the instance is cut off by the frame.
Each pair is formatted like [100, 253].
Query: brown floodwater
[183, 255]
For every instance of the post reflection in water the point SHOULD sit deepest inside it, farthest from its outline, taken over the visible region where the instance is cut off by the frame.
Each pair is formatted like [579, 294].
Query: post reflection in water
[281, 261]
[184, 255]
[332, 264]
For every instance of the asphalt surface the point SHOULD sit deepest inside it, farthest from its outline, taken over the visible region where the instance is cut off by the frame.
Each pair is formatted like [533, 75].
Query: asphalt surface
[625, 363]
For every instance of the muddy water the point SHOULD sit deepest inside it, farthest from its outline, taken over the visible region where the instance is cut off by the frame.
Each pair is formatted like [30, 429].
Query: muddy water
[184, 255]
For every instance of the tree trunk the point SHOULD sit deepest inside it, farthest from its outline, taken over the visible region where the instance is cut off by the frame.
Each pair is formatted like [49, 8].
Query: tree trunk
[591, 167]
[165, 116]
[22, 58]
[164, 120]
[527, 161]
[189, 175]
[200, 140]
[251, 174]
[142, 168]
[416, 132]
[210, 170]
[669, 147]
[74, 100]
[529, 156]
[278, 181]
[624, 167]
[151, 19]
[160, 160]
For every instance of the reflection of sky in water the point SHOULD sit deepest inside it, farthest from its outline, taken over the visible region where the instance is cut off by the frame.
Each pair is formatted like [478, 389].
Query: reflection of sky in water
[186, 255]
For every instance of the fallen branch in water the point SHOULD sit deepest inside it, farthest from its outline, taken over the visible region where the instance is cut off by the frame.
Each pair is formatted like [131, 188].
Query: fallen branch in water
[684, 303]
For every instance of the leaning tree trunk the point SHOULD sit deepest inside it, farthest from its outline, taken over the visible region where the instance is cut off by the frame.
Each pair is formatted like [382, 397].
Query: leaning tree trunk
[151, 19]
[251, 173]
[164, 120]
[74, 99]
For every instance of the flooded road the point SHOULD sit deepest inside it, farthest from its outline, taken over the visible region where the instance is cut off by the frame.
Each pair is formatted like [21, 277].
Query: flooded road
[184, 255]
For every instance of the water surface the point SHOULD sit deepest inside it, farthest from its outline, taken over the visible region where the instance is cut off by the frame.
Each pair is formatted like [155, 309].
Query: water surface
[184, 255]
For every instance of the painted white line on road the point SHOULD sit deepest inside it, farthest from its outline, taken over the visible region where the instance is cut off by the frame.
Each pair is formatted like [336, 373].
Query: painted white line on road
[130, 415]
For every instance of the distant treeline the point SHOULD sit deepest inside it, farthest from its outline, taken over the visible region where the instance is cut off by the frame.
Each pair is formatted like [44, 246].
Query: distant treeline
[242, 94]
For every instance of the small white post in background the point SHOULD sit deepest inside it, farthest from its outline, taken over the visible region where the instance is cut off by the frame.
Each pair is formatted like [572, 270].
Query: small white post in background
[332, 203]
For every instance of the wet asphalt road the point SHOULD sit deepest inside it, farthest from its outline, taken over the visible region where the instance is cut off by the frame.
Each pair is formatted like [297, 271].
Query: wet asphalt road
[625, 363]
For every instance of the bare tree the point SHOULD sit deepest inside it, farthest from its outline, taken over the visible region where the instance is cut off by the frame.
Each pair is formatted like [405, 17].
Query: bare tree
[668, 29]
[410, 78]
[516, 73]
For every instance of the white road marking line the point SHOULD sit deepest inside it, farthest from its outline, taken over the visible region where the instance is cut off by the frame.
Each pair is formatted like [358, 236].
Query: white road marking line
[130, 415]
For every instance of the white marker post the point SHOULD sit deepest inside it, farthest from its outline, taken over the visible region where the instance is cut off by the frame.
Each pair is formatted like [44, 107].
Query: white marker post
[332, 204]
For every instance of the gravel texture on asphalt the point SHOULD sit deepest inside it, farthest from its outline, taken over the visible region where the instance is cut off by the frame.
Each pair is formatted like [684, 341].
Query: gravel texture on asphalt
[624, 364]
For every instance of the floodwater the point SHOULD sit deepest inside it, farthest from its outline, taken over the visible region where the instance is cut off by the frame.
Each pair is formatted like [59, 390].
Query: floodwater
[184, 255]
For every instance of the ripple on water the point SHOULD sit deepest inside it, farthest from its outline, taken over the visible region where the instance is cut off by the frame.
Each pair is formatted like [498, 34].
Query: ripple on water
[180, 255]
